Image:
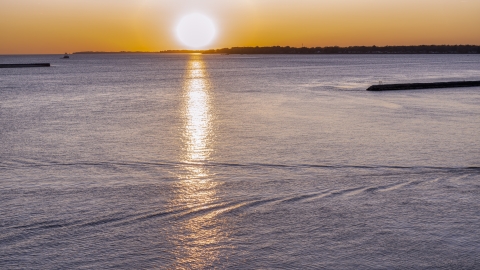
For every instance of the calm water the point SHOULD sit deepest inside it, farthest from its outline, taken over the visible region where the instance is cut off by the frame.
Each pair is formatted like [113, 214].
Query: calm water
[239, 162]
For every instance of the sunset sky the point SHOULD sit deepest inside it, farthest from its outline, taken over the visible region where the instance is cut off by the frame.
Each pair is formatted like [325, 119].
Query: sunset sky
[58, 26]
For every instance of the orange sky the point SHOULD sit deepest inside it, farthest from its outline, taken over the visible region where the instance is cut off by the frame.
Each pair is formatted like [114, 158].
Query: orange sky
[58, 26]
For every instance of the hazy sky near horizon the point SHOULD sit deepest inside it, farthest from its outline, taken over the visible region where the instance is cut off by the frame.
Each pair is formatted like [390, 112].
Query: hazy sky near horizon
[57, 26]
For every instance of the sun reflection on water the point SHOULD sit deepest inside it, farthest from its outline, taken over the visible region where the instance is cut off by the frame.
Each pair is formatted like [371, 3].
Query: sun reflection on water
[199, 229]
[198, 130]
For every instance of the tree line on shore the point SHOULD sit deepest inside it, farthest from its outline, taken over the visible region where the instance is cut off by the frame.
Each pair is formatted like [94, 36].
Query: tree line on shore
[420, 49]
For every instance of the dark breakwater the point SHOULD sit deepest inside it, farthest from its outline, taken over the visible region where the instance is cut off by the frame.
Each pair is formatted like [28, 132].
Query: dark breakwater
[411, 86]
[24, 65]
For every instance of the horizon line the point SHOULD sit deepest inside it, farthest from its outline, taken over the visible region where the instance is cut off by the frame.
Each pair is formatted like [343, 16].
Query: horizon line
[213, 50]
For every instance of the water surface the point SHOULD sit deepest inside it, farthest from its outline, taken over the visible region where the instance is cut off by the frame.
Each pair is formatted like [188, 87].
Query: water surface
[240, 162]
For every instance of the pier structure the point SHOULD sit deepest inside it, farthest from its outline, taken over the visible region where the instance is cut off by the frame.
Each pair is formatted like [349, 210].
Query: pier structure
[413, 86]
[24, 65]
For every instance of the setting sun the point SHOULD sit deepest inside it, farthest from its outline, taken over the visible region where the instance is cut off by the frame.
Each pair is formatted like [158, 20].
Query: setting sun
[196, 30]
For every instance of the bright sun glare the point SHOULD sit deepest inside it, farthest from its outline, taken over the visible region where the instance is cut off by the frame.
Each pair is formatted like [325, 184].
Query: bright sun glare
[196, 30]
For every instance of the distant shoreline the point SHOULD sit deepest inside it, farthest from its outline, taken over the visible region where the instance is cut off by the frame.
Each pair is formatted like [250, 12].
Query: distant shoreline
[421, 49]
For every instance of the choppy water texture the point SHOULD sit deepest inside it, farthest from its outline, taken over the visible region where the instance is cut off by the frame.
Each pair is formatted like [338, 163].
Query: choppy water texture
[240, 162]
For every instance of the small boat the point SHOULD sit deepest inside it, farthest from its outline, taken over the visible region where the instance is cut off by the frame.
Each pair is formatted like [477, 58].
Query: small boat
[65, 56]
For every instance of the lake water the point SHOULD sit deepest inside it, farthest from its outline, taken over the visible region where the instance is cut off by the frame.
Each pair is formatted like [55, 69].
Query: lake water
[148, 161]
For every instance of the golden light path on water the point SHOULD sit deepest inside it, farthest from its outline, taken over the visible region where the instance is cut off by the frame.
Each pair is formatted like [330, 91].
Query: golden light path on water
[198, 234]
[198, 137]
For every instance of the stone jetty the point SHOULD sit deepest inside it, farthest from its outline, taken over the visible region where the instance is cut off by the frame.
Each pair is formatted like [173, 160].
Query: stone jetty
[412, 86]
[24, 65]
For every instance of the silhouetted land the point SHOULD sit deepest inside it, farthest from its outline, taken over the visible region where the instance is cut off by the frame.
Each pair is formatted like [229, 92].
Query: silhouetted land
[411, 86]
[24, 65]
[421, 49]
